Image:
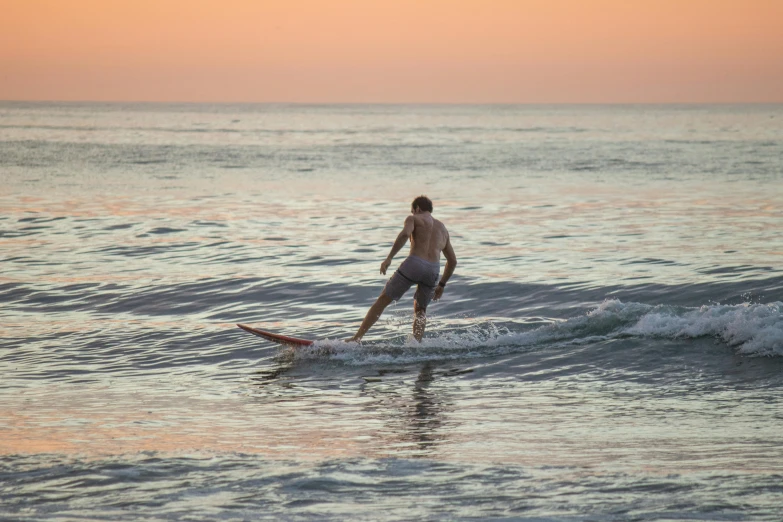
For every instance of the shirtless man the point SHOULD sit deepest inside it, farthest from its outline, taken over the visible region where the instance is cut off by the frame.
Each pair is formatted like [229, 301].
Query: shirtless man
[429, 238]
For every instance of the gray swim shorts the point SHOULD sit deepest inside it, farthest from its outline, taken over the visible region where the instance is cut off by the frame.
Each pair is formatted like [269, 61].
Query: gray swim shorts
[414, 270]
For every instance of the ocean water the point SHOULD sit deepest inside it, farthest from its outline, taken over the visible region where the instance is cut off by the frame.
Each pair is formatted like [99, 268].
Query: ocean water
[610, 347]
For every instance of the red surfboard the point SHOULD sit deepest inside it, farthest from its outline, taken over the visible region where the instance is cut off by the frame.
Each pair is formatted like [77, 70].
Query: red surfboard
[276, 338]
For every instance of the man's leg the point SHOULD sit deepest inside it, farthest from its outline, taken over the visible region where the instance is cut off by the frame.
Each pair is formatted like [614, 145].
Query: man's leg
[419, 321]
[373, 314]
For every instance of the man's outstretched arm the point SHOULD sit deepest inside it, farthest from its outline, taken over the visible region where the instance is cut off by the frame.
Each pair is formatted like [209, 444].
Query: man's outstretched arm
[402, 238]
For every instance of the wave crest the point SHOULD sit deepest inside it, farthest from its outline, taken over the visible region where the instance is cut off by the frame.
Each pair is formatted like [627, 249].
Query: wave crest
[752, 329]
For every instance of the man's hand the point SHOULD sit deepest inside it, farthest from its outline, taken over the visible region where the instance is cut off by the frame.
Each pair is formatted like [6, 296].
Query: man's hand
[385, 265]
[438, 293]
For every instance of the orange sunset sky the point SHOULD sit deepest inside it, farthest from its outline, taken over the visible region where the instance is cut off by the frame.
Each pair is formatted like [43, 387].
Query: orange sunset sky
[393, 51]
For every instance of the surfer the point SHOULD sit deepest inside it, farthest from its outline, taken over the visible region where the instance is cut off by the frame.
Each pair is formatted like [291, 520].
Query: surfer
[429, 238]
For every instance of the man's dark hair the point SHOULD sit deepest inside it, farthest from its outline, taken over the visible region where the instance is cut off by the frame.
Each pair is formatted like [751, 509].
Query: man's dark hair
[423, 202]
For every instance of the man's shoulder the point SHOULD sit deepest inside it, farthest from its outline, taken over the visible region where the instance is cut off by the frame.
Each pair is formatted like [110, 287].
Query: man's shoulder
[439, 223]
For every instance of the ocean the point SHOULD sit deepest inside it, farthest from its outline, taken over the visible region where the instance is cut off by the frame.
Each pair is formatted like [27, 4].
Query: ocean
[610, 347]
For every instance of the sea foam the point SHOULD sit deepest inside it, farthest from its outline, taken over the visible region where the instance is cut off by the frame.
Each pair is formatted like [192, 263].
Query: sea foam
[752, 329]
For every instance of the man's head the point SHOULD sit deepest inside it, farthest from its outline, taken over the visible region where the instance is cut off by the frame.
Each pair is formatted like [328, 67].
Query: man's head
[423, 203]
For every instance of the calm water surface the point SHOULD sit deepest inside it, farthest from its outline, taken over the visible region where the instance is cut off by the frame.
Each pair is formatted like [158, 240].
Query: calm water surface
[610, 348]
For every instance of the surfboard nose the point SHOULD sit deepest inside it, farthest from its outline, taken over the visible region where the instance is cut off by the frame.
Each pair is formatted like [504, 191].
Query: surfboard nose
[276, 338]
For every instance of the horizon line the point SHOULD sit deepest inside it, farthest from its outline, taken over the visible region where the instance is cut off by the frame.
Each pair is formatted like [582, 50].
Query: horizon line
[420, 103]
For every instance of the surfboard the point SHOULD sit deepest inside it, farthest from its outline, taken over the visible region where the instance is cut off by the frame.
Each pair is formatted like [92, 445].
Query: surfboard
[276, 338]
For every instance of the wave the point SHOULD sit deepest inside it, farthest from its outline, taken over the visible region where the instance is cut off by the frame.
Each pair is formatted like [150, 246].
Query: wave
[752, 329]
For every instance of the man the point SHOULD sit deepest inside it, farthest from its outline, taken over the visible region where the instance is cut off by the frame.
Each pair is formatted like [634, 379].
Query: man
[429, 238]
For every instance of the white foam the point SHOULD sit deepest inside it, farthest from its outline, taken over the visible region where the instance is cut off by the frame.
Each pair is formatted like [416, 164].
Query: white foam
[753, 329]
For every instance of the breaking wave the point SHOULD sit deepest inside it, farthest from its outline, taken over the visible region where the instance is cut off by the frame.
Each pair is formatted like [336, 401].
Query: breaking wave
[751, 329]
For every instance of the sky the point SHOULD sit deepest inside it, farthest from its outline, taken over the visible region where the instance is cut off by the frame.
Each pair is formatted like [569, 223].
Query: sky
[393, 51]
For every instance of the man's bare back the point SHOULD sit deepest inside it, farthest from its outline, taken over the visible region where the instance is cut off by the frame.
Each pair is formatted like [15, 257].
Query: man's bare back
[429, 237]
